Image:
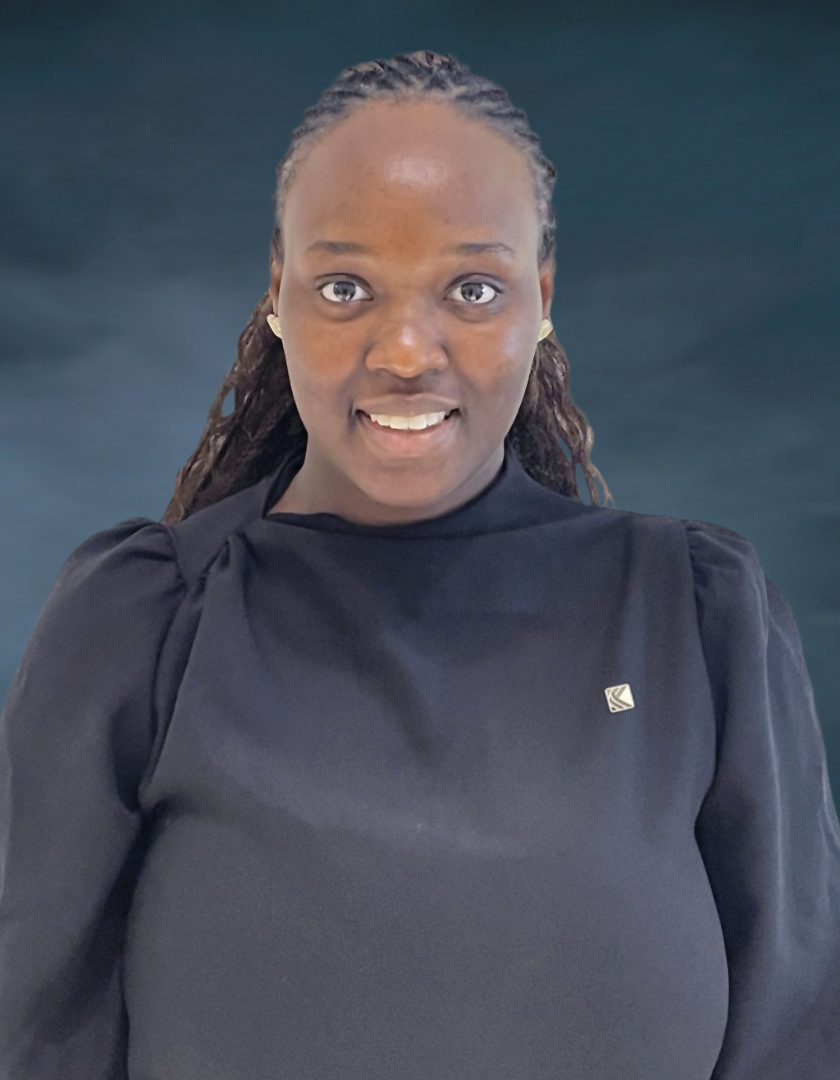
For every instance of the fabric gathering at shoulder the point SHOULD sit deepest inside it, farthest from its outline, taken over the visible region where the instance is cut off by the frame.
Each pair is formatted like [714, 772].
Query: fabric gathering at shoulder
[732, 589]
[726, 572]
[200, 538]
[100, 632]
[721, 557]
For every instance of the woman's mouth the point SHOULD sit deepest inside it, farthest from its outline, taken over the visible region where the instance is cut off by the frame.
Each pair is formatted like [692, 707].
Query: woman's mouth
[410, 441]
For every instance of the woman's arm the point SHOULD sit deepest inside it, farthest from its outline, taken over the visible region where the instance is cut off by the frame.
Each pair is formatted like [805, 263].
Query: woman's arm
[76, 735]
[767, 829]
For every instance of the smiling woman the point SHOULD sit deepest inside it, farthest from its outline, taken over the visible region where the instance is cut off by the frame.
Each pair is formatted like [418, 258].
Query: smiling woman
[441, 298]
[411, 269]
[383, 756]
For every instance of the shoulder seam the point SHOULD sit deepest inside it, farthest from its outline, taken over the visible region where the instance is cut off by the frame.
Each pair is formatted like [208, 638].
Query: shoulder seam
[689, 525]
[171, 539]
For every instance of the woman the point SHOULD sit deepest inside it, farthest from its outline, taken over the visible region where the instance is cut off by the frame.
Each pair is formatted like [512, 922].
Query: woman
[382, 755]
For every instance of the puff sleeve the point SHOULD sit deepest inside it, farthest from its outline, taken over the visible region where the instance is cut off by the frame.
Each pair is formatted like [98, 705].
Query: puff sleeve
[767, 829]
[76, 734]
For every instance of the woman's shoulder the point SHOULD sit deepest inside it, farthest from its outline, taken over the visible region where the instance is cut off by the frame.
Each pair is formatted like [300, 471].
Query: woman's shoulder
[721, 565]
[713, 544]
[118, 581]
[705, 542]
[733, 592]
[100, 632]
[136, 538]
[707, 546]
[143, 554]
[728, 573]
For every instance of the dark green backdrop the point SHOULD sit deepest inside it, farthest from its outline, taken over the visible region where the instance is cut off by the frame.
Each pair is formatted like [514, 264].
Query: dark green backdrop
[697, 283]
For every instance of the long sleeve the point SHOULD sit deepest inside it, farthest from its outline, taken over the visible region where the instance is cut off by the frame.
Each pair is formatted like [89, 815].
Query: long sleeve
[76, 734]
[767, 830]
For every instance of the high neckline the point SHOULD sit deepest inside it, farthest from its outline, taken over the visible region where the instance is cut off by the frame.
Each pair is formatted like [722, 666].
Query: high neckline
[512, 500]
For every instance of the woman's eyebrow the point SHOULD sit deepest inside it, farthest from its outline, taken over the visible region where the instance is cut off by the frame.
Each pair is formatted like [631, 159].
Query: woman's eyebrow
[477, 247]
[339, 247]
[349, 247]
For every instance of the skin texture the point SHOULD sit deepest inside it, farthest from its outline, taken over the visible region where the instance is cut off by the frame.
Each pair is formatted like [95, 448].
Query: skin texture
[409, 181]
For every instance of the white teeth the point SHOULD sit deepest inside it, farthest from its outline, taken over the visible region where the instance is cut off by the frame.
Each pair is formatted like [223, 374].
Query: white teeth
[415, 423]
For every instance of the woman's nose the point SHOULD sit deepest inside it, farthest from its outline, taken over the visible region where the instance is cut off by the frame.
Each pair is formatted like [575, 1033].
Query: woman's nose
[407, 347]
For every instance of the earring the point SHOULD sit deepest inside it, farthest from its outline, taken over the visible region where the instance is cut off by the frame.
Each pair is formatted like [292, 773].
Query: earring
[274, 323]
[545, 329]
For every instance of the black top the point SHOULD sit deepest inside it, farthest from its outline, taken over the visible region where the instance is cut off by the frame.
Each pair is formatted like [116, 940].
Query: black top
[534, 790]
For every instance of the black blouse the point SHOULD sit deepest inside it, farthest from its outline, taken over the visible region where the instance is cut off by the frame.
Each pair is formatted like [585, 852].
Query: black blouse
[533, 790]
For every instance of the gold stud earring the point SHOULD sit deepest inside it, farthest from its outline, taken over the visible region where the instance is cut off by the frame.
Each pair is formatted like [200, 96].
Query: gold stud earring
[274, 323]
[545, 329]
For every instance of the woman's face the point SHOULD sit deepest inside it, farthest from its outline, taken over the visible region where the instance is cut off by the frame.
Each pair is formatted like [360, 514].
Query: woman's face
[410, 285]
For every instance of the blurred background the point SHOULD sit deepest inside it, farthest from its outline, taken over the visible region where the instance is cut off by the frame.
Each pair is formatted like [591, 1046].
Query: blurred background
[698, 197]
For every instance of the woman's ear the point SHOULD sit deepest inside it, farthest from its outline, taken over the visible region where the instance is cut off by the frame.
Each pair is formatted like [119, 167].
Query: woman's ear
[276, 270]
[547, 286]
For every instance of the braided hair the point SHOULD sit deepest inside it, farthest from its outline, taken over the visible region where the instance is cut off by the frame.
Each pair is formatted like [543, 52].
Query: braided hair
[264, 430]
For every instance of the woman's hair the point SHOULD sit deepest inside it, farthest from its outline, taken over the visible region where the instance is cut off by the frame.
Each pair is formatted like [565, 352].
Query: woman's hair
[264, 429]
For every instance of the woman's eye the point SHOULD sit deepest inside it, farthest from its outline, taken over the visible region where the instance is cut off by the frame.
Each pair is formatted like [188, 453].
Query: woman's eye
[342, 291]
[471, 292]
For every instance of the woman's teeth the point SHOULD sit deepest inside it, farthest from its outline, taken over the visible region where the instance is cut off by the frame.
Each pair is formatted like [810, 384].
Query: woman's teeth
[413, 423]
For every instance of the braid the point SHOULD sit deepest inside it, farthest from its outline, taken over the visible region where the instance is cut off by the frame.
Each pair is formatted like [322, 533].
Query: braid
[265, 430]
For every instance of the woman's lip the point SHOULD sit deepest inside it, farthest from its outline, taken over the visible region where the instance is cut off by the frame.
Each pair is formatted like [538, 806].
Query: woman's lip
[406, 441]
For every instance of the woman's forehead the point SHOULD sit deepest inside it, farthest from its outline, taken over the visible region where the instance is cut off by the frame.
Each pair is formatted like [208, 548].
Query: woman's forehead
[411, 162]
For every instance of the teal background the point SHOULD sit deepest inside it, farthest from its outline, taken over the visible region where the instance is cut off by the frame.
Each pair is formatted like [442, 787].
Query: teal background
[698, 197]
